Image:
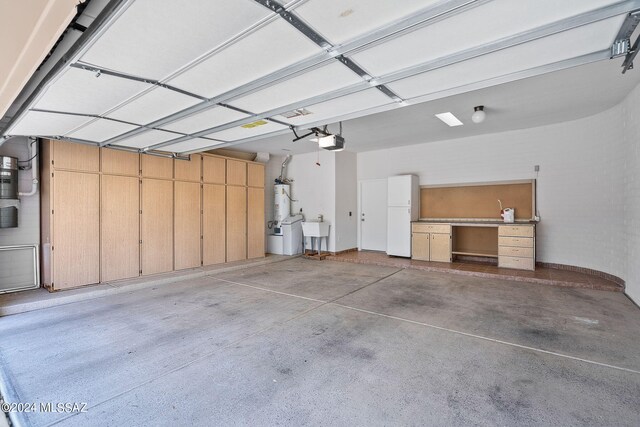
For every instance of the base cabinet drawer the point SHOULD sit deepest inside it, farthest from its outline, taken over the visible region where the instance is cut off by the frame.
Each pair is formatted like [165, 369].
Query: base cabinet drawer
[520, 263]
[520, 242]
[515, 230]
[514, 251]
[431, 228]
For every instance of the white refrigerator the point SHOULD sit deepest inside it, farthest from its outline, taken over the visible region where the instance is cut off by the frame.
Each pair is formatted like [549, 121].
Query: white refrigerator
[403, 206]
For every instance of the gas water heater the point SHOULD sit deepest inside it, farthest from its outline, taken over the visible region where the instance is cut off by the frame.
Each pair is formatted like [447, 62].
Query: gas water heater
[281, 206]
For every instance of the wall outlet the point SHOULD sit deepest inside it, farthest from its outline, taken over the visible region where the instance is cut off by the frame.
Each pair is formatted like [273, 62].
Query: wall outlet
[536, 168]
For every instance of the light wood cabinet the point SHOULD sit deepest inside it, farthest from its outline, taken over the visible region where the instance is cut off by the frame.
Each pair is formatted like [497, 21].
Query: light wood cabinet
[255, 223]
[236, 172]
[156, 167]
[255, 175]
[420, 246]
[431, 242]
[118, 162]
[157, 226]
[186, 229]
[188, 170]
[213, 224]
[214, 170]
[109, 214]
[76, 229]
[119, 227]
[440, 247]
[236, 223]
[78, 157]
[516, 246]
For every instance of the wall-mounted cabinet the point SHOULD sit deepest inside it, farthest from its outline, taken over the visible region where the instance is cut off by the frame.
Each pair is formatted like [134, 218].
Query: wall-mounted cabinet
[118, 162]
[236, 172]
[156, 167]
[111, 214]
[77, 157]
[255, 175]
[188, 170]
[214, 170]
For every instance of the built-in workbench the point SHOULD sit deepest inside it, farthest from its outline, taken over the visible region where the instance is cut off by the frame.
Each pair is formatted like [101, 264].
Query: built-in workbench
[513, 244]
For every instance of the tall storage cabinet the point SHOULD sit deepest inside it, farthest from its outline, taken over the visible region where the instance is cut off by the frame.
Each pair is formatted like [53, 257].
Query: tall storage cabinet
[111, 215]
[186, 231]
[214, 230]
[76, 225]
[214, 210]
[119, 227]
[236, 223]
[70, 215]
[255, 211]
[156, 236]
[119, 215]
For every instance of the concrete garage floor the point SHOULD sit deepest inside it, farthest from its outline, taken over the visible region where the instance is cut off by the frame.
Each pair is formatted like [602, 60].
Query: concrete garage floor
[306, 342]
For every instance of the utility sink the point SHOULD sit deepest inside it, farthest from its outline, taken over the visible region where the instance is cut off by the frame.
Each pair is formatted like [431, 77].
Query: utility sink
[315, 229]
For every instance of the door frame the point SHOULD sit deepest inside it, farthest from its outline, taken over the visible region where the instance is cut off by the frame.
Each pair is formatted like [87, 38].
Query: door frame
[359, 219]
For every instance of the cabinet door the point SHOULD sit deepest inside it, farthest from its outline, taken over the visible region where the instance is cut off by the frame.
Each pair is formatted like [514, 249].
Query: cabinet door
[255, 222]
[399, 190]
[188, 170]
[440, 247]
[213, 224]
[76, 229]
[420, 246]
[236, 223]
[214, 170]
[119, 162]
[187, 225]
[157, 226]
[156, 167]
[80, 157]
[236, 172]
[120, 225]
[255, 175]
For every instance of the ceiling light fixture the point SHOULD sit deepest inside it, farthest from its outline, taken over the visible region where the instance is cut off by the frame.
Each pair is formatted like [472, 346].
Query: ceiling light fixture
[449, 119]
[478, 115]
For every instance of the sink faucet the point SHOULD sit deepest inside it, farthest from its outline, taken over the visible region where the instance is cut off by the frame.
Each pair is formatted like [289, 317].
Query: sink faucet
[320, 218]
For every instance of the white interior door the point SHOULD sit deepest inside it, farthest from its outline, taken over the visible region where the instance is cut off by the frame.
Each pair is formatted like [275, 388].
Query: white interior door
[373, 215]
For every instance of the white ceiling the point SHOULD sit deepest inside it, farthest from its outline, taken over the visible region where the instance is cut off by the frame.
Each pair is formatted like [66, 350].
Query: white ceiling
[552, 98]
[206, 70]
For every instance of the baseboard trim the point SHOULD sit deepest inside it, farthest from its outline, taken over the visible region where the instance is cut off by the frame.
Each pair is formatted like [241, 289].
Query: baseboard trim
[615, 279]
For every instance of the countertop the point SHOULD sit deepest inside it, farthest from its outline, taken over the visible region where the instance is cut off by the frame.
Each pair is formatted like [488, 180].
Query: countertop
[475, 222]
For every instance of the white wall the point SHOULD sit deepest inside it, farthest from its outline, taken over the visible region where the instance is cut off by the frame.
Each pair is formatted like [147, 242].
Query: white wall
[329, 189]
[346, 206]
[313, 188]
[580, 196]
[631, 116]
[272, 171]
[17, 267]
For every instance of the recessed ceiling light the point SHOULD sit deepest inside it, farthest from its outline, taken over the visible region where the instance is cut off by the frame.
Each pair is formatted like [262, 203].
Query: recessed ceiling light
[449, 119]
